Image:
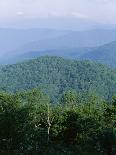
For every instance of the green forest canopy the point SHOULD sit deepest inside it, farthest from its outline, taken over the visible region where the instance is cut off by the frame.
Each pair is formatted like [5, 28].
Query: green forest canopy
[54, 75]
[30, 124]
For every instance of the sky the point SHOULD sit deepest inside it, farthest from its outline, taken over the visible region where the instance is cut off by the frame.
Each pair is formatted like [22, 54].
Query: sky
[101, 11]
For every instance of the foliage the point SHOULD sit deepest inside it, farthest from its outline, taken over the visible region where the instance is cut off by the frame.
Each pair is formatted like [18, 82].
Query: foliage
[87, 127]
[54, 75]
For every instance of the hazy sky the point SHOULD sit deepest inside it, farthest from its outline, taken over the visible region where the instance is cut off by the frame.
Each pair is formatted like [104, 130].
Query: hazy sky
[103, 11]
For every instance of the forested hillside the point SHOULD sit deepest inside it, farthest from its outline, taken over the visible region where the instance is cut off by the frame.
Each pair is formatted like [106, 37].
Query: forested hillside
[104, 54]
[55, 75]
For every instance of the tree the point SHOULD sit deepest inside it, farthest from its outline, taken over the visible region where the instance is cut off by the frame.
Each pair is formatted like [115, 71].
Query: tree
[69, 98]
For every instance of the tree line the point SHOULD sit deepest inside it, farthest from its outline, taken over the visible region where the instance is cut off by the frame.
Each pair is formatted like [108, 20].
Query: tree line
[31, 124]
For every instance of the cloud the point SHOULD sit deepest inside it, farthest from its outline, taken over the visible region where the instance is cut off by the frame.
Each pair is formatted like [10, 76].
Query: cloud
[20, 13]
[103, 11]
[78, 15]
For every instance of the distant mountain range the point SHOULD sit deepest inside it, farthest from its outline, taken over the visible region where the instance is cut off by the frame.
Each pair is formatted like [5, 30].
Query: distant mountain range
[12, 39]
[105, 54]
[24, 40]
[18, 45]
[58, 22]
[71, 53]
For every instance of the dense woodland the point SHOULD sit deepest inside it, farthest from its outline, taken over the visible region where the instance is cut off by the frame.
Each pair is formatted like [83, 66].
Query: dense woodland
[31, 124]
[54, 75]
[56, 106]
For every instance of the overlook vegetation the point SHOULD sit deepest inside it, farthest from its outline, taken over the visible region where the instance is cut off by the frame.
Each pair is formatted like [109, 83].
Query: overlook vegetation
[30, 124]
[54, 75]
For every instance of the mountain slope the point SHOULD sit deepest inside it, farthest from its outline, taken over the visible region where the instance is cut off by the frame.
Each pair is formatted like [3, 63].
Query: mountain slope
[13, 41]
[54, 75]
[72, 53]
[104, 54]
[75, 39]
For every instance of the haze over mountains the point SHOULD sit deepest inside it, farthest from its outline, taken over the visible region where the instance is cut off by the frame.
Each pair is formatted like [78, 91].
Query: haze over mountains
[104, 54]
[20, 44]
[29, 30]
[12, 39]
